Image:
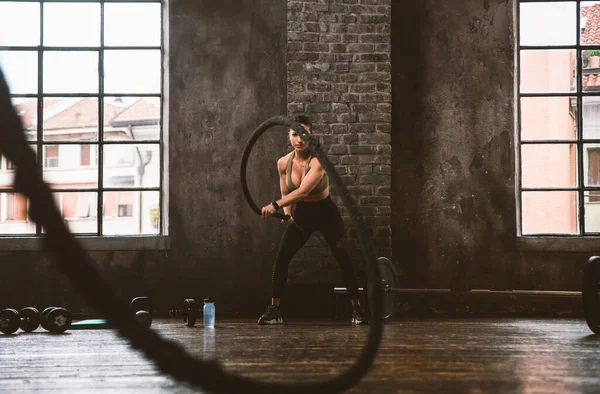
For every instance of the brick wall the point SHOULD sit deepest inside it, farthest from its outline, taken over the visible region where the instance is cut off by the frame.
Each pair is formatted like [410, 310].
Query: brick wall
[339, 73]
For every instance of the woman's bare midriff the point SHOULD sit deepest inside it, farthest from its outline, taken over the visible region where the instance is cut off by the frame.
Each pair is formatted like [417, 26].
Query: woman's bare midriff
[317, 197]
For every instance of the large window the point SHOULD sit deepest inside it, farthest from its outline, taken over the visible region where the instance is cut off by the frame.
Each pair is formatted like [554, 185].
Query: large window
[86, 78]
[559, 117]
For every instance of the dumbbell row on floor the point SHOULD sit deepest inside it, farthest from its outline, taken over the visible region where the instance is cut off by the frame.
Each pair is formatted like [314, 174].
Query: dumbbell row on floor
[54, 319]
[58, 320]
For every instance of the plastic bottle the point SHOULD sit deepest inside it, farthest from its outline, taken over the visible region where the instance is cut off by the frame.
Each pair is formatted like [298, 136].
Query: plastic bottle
[209, 313]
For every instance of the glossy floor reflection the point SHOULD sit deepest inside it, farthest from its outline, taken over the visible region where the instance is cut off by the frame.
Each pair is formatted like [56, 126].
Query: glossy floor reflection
[416, 356]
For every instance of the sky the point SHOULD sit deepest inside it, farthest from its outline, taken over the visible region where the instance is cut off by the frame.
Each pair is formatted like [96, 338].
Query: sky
[78, 24]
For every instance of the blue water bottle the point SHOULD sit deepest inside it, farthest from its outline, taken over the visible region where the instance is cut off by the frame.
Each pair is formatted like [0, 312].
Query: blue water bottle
[209, 312]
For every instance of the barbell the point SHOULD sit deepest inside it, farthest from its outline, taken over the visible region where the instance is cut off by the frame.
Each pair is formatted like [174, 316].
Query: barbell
[391, 291]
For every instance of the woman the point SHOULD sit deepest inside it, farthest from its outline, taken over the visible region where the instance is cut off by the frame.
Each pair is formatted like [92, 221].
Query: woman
[304, 182]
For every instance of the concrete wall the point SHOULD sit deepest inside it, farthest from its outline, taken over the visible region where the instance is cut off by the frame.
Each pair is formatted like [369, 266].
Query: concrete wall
[453, 183]
[453, 207]
[227, 76]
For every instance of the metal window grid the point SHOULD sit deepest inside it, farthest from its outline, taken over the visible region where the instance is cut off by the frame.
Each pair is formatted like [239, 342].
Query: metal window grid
[579, 141]
[100, 143]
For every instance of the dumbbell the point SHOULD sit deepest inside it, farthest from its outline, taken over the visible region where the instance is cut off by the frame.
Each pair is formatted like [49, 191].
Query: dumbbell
[28, 319]
[9, 321]
[56, 319]
[141, 308]
[189, 312]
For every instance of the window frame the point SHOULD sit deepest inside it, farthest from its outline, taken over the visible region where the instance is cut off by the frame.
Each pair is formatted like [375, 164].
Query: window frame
[97, 241]
[585, 241]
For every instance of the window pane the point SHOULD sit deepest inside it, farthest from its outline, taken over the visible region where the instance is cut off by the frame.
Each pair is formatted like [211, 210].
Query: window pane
[548, 118]
[548, 23]
[134, 212]
[590, 17]
[551, 212]
[14, 217]
[70, 72]
[20, 69]
[70, 119]
[549, 165]
[591, 117]
[79, 210]
[65, 166]
[127, 24]
[69, 24]
[136, 118]
[19, 24]
[26, 108]
[591, 164]
[135, 71]
[131, 165]
[590, 80]
[548, 71]
[592, 211]
[7, 173]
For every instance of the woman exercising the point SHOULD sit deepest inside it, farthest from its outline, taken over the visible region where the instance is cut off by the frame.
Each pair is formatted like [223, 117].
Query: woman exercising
[304, 182]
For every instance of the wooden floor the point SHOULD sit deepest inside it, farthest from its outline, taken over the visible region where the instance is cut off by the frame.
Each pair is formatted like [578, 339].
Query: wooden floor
[416, 356]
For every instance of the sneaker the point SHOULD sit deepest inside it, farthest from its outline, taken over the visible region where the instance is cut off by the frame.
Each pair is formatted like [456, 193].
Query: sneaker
[358, 315]
[271, 316]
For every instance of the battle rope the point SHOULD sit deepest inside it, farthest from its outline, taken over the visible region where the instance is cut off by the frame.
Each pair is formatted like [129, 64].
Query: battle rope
[76, 264]
[352, 375]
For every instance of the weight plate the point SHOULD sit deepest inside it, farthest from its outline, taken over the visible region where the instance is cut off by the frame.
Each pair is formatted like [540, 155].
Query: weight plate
[589, 293]
[44, 316]
[189, 312]
[389, 279]
[58, 320]
[29, 319]
[9, 321]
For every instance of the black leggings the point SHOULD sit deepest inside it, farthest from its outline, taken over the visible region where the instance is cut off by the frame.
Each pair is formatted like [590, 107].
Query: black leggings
[323, 216]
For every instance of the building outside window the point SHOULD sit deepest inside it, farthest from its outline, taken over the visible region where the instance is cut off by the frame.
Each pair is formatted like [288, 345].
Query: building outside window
[89, 93]
[85, 155]
[51, 156]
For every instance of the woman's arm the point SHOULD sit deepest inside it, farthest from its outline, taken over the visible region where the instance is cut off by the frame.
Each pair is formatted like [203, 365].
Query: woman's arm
[281, 164]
